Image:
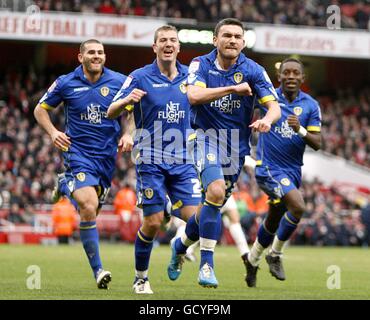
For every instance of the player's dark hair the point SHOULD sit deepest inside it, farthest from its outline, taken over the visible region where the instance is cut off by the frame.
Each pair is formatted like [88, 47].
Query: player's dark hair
[291, 60]
[163, 28]
[83, 44]
[228, 22]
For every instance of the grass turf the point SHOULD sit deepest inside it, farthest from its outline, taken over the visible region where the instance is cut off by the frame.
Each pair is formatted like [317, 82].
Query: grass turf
[65, 274]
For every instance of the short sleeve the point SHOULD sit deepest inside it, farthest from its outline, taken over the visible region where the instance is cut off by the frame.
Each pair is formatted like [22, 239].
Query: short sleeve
[197, 74]
[130, 84]
[53, 97]
[263, 86]
[314, 122]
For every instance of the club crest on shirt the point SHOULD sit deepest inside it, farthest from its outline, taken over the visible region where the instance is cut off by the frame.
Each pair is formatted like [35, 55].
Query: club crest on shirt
[297, 111]
[149, 193]
[182, 87]
[285, 182]
[81, 176]
[104, 91]
[238, 77]
[211, 157]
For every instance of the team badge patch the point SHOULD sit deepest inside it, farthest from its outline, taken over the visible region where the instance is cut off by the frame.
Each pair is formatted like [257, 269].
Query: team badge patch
[183, 87]
[211, 157]
[81, 176]
[194, 66]
[238, 77]
[285, 182]
[297, 111]
[104, 91]
[149, 193]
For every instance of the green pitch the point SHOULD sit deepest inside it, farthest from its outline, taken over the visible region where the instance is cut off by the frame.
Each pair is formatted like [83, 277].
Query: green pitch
[65, 274]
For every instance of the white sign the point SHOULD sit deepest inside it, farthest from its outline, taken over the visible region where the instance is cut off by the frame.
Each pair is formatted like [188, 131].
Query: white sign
[77, 28]
[313, 41]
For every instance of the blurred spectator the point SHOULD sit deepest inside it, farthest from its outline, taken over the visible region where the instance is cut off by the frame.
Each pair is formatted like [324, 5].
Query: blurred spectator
[15, 214]
[125, 202]
[64, 218]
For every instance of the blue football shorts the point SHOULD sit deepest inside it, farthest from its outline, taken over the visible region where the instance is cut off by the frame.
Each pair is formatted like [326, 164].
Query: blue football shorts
[178, 181]
[84, 170]
[277, 182]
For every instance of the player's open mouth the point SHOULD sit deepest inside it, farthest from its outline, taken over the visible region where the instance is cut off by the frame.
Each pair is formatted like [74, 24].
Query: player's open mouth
[291, 84]
[168, 52]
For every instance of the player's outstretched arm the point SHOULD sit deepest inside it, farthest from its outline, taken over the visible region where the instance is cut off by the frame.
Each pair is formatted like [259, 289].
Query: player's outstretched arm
[200, 95]
[60, 139]
[117, 107]
[126, 142]
[313, 139]
[273, 114]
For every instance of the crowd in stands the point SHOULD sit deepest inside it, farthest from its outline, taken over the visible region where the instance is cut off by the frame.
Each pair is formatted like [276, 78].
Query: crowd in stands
[354, 14]
[348, 114]
[29, 163]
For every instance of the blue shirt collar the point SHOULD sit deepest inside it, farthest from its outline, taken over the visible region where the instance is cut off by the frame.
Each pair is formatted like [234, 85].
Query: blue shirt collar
[212, 56]
[79, 73]
[182, 71]
[280, 93]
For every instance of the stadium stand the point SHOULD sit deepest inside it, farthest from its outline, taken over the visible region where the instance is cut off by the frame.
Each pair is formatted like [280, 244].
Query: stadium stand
[355, 14]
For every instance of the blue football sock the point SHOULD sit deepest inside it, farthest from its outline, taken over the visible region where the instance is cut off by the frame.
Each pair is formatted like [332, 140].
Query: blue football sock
[288, 224]
[265, 237]
[192, 233]
[143, 249]
[90, 240]
[209, 229]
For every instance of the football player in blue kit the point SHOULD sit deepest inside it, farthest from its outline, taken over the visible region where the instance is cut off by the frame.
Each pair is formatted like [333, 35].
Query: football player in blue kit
[89, 143]
[278, 170]
[223, 88]
[156, 96]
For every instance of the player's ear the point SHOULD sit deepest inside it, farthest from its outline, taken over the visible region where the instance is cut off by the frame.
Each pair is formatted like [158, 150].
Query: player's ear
[303, 77]
[215, 41]
[278, 76]
[154, 46]
[79, 57]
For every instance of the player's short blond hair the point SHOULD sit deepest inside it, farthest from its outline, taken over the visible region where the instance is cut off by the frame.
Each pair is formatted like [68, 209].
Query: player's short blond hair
[164, 28]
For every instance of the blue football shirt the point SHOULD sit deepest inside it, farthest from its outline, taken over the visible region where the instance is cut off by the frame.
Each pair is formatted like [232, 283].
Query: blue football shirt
[162, 115]
[85, 108]
[282, 147]
[232, 113]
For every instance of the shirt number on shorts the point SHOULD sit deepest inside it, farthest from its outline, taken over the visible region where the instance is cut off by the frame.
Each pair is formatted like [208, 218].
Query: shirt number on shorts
[196, 188]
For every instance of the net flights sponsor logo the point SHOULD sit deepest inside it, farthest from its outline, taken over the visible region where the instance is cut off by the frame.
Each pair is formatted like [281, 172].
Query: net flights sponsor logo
[173, 114]
[93, 114]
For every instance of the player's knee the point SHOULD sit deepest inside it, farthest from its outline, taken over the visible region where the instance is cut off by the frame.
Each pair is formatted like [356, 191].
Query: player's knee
[216, 192]
[297, 210]
[88, 210]
[152, 226]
